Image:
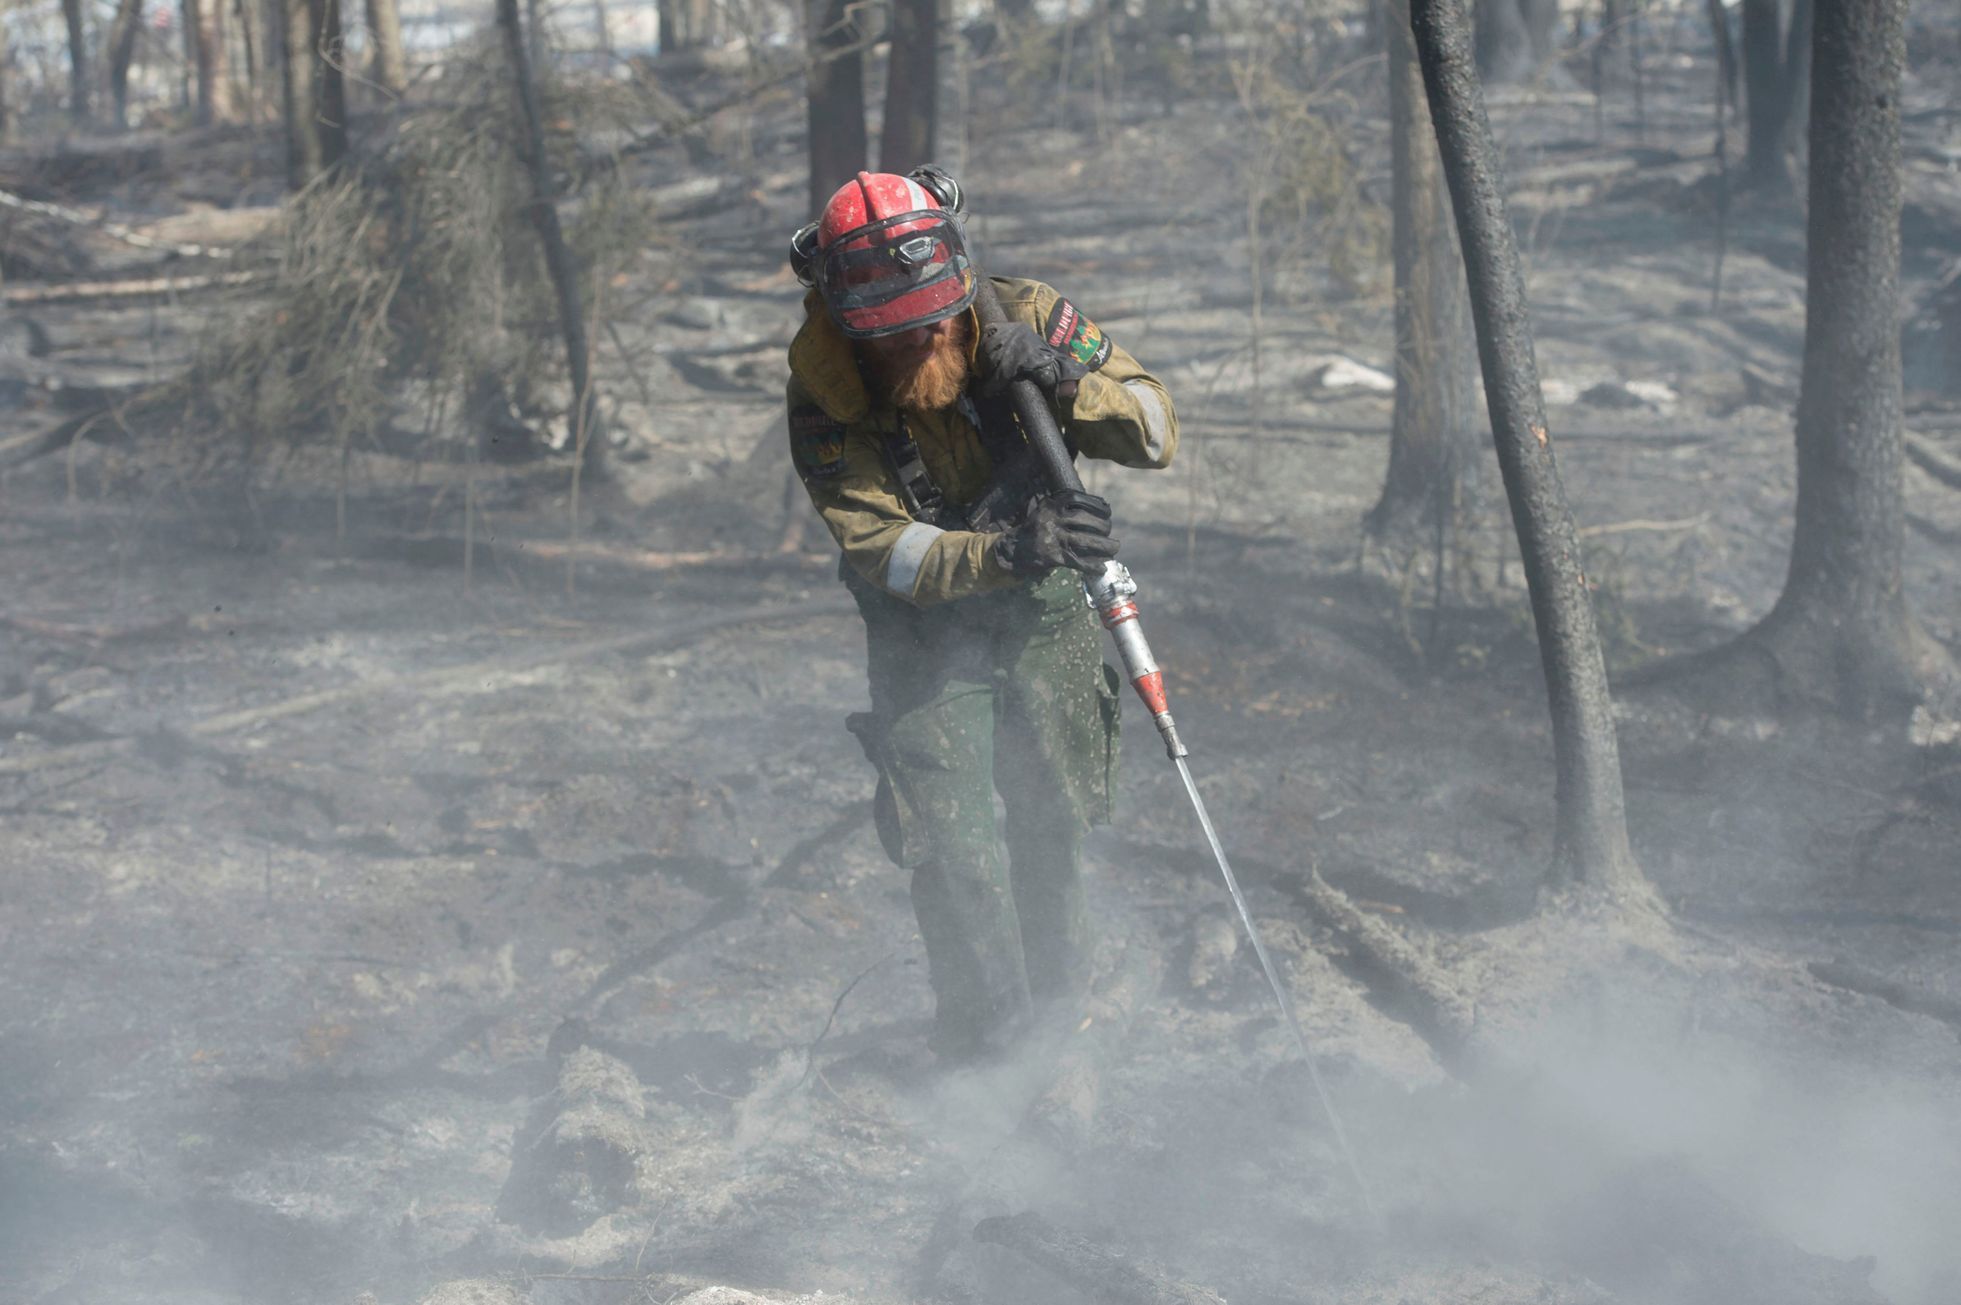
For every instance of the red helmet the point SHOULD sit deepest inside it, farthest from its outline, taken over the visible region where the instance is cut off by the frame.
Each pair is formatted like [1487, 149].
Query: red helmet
[889, 257]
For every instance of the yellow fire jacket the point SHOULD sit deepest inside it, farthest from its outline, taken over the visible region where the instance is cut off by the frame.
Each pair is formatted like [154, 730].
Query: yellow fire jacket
[839, 429]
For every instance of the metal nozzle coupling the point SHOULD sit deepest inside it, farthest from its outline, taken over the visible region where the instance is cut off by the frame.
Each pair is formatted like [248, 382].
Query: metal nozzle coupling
[1174, 747]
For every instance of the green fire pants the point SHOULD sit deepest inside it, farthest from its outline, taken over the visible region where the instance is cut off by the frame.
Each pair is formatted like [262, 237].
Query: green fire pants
[1003, 691]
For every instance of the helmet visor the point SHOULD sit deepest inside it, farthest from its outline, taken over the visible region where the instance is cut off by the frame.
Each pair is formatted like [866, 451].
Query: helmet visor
[904, 272]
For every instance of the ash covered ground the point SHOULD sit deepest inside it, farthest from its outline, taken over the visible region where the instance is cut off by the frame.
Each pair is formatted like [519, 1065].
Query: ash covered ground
[328, 875]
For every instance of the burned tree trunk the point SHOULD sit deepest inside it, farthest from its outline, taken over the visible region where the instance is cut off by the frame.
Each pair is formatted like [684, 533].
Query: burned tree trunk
[78, 60]
[250, 25]
[1841, 634]
[1776, 78]
[390, 68]
[1514, 37]
[204, 32]
[912, 77]
[122, 48]
[836, 115]
[586, 435]
[1725, 52]
[305, 151]
[315, 102]
[685, 24]
[1432, 445]
[1590, 840]
[329, 54]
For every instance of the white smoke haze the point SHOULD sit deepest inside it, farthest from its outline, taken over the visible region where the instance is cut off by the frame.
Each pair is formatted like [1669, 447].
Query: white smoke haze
[381, 927]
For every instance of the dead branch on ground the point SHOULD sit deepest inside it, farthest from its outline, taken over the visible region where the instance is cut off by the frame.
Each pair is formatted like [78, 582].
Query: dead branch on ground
[1098, 1273]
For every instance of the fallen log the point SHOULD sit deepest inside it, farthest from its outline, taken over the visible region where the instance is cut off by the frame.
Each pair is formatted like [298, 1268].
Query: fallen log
[136, 288]
[576, 1159]
[114, 230]
[1100, 1274]
[1924, 454]
[1435, 1007]
[475, 677]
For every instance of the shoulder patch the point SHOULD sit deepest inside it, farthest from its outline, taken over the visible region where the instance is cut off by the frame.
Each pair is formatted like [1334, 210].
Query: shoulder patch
[1068, 331]
[817, 440]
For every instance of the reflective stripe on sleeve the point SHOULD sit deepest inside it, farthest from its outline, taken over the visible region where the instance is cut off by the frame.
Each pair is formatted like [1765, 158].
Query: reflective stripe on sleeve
[1154, 417]
[908, 555]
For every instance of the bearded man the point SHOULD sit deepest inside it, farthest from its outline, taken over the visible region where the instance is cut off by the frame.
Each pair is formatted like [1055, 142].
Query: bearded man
[985, 667]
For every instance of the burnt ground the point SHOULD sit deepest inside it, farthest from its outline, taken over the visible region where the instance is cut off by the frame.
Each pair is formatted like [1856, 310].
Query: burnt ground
[311, 846]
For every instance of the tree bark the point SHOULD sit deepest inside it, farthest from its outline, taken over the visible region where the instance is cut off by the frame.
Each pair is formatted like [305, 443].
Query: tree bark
[122, 48]
[1590, 844]
[1726, 71]
[912, 78]
[1514, 38]
[390, 68]
[685, 24]
[1776, 77]
[836, 114]
[329, 54]
[204, 31]
[315, 98]
[78, 60]
[1841, 634]
[1432, 444]
[588, 441]
[304, 149]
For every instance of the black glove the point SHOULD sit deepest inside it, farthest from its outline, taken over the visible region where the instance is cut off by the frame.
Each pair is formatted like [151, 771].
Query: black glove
[1011, 351]
[1070, 528]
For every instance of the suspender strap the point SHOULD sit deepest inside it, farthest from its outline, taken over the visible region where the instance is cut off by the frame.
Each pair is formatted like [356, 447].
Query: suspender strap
[1016, 476]
[916, 488]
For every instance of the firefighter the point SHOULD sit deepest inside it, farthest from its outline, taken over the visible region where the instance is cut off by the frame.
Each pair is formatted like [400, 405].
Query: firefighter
[984, 659]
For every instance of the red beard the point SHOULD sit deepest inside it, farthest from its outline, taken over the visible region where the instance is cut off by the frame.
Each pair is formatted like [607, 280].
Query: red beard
[930, 383]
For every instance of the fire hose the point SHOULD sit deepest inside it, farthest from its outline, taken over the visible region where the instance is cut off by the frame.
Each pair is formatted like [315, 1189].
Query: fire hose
[1113, 594]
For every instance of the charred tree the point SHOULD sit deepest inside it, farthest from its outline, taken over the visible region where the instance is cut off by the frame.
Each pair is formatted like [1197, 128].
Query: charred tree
[330, 54]
[1719, 30]
[306, 145]
[559, 263]
[304, 150]
[1590, 843]
[1776, 81]
[1841, 636]
[78, 60]
[122, 48]
[1432, 443]
[684, 25]
[316, 96]
[912, 78]
[836, 114]
[204, 34]
[1514, 38]
[259, 27]
[390, 65]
